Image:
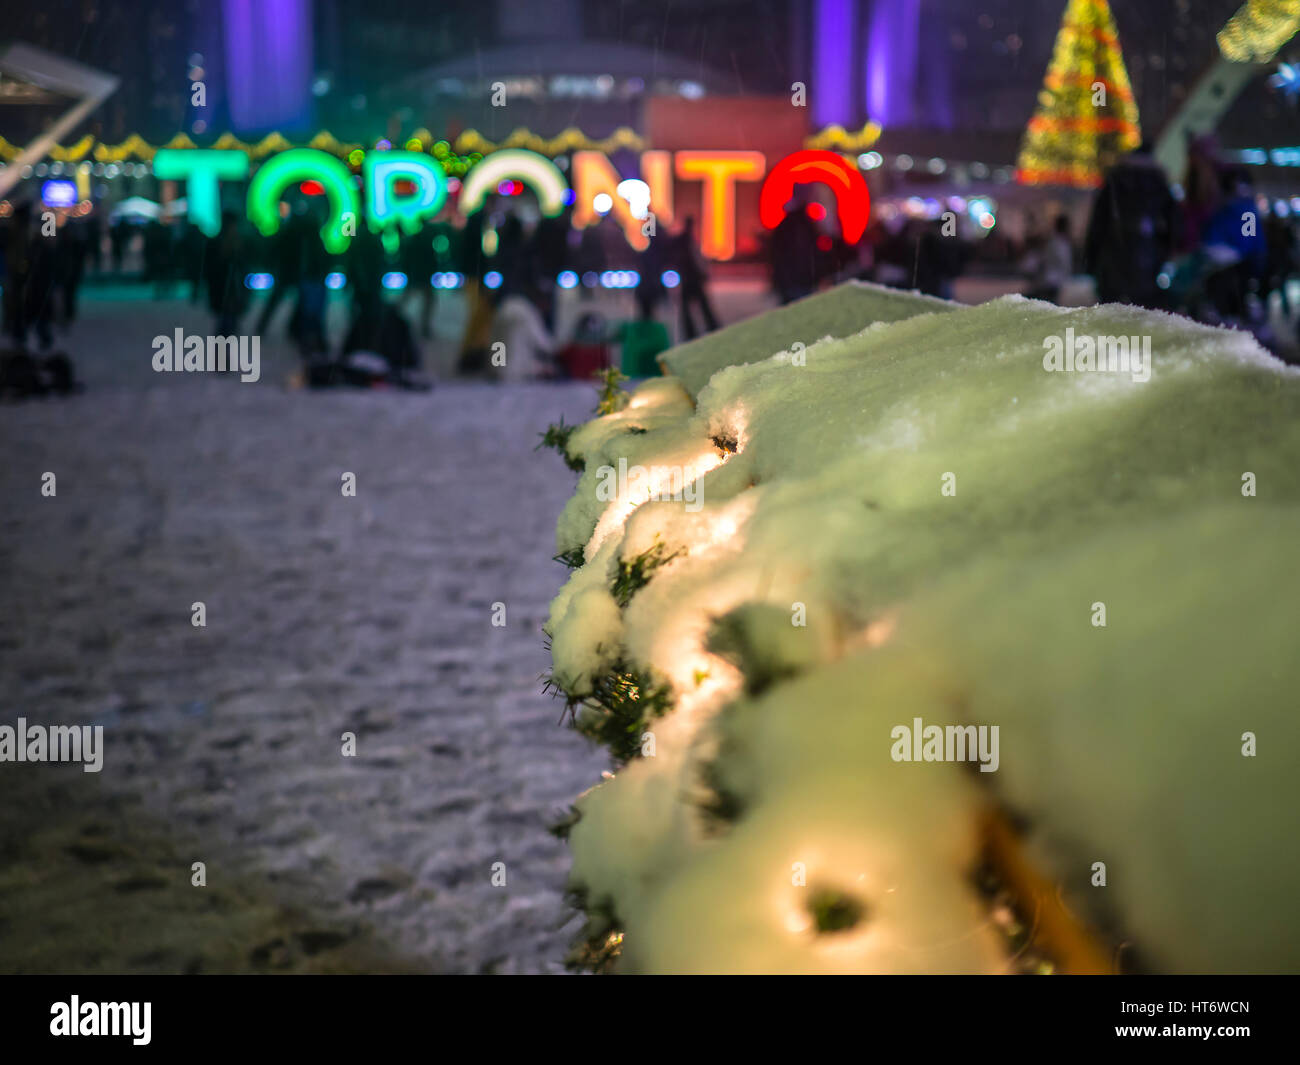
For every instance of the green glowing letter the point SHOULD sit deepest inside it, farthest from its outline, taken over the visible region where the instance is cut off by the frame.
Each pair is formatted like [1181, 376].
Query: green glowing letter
[202, 170]
[303, 164]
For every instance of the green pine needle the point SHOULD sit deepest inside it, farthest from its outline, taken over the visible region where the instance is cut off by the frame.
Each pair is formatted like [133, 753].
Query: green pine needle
[612, 397]
[573, 557]
[834, 911]
[557, 436]
[634, 574]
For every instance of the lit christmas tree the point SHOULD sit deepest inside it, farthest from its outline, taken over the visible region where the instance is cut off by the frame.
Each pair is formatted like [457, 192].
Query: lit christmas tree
[1086, 116]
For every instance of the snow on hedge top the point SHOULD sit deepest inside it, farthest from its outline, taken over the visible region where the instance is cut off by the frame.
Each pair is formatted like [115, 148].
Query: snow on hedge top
[840, 312]
[920, 521]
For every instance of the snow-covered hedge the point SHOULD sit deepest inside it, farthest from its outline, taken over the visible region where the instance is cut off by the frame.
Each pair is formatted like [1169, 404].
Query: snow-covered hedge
[834, 538]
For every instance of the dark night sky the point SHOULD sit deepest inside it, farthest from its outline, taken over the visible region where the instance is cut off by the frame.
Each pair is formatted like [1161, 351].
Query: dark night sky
[995, 51]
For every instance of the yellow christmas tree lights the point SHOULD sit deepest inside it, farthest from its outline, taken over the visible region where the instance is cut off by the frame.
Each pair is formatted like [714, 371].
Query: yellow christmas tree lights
[1259, 29]
[1087, 116]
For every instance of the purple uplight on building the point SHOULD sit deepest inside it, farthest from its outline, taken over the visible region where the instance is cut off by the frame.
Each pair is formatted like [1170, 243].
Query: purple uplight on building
[832, 95]
[934, 74]
[892, 49]
[268, 51]
[867, 63]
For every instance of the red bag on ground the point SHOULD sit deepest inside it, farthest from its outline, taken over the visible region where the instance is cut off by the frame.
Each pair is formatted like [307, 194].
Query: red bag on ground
[584, 361]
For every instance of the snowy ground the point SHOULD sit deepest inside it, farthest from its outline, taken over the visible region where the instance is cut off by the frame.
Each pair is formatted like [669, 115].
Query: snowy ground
[325, 614]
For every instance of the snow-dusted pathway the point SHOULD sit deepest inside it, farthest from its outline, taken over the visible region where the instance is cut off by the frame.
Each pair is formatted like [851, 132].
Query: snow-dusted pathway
[325, 614]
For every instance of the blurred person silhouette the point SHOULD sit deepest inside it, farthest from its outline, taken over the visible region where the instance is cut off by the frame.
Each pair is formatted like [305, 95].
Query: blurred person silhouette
[1279, 236]
[119, 236]
[476, 264]
[641, 340]
[191, 249]
[794, 255]
[1234, 248]
[29, 281]
[860, 258]
[590, 256]
[225, 265]
[419, 263]
[365, 264]
[380, 348]
[30, 286]
[312, 266]
[16, 253]
[1202, 190]
[550, 251]
[98, 224]
[474, 261]
[1131, 232]
[157, 256]
[284, 259]
[520, 324]
[892, 252]
[40, 288]
[693, 291]
[71, 250]
[1053, 263]
[6, 226]
[512, 256]
[651, 264]
[937, 260]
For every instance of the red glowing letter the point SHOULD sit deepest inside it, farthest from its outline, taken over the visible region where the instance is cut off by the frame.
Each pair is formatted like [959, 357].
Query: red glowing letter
[852, 197]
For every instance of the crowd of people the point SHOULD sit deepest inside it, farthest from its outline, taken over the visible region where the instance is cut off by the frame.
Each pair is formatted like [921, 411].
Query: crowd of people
[510, 260]
[910, 253]
[1213, 254]
[42, 267]
[1209, 248]
[1211, 251]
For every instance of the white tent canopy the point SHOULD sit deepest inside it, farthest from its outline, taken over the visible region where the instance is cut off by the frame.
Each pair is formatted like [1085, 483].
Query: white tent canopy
[136, 207]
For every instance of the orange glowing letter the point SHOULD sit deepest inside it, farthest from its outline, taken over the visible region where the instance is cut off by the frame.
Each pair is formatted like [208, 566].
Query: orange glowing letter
[657, 172]
[593, 174]
[720, 171]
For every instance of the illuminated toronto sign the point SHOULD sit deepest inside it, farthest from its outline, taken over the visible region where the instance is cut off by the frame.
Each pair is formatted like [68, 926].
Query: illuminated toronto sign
[403, 189]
